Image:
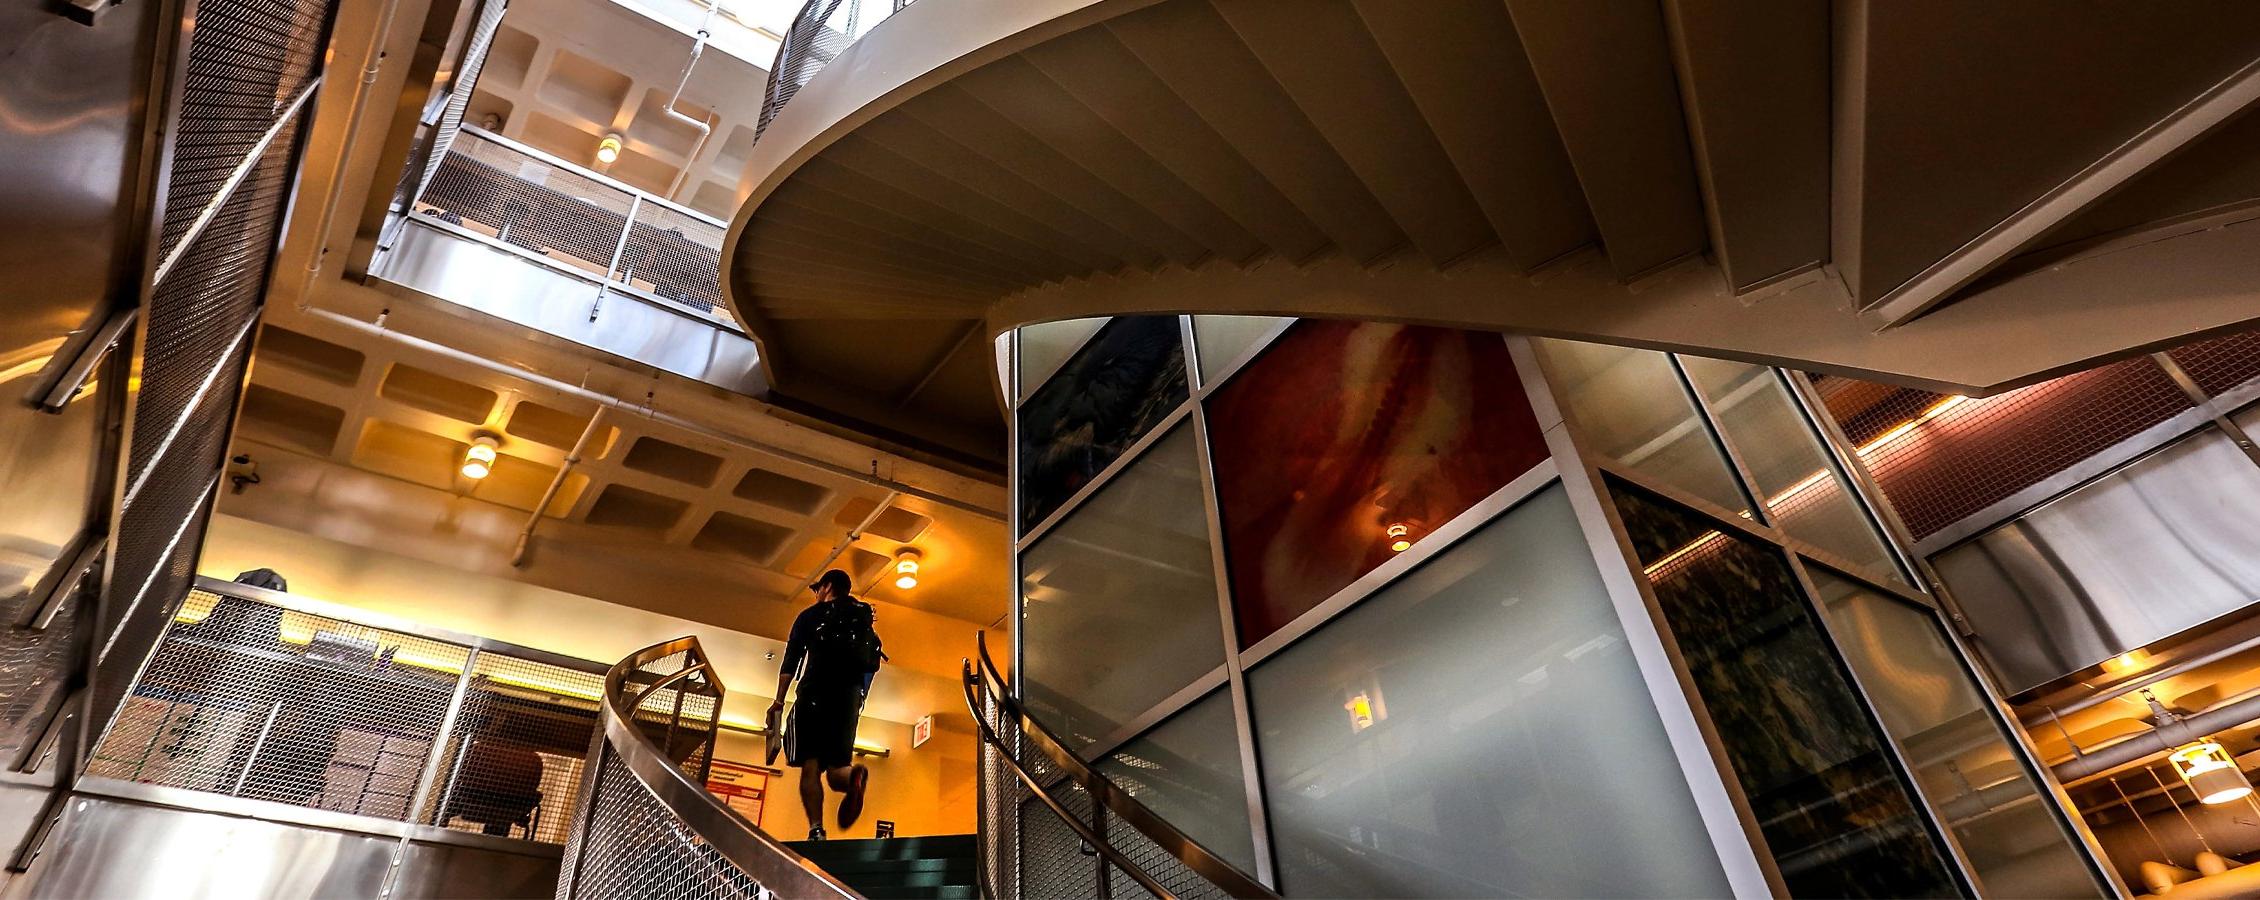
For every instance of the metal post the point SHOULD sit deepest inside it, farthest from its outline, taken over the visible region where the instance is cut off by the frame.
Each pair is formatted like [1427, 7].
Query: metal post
[257, 744]
[447, 723]
[635, 205]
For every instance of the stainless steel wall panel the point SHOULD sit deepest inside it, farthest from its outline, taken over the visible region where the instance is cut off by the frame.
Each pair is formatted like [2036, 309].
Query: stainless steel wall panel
[118, 849]
[447, 870]
[2165, 544]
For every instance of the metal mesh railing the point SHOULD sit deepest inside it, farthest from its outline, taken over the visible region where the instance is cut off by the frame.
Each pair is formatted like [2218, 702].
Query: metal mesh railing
[820, 32]
[626, 240]
[1030, 849]
[647, 827]
[248, 696]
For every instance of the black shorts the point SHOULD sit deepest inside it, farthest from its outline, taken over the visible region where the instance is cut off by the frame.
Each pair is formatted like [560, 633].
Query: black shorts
[822, 730]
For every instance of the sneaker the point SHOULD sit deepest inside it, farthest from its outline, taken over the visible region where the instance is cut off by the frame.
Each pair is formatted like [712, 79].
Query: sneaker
[851, 806]
[816, 833]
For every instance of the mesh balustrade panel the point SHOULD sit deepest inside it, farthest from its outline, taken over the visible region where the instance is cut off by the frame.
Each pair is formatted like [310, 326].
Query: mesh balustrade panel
[515, 759]
[634, 848]
[252, 700]
[2222, 364]
[820, 31]
[1054, 861]
[675, 255]
[525, 202]
[248, 59]
[1939, 460]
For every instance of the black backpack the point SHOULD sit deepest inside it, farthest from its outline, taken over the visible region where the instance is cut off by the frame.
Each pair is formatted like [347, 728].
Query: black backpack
[846, 631]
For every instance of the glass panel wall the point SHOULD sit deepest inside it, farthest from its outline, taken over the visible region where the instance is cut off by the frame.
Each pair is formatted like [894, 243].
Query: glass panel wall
[1129, 377]
[1224, 339]
[1931, 706]
[1477, 729]
[1119, 606]
[1836, 816]
[1346, 443]
[1043, 346]
[1801, 490]
[1187, 770]
[1630, 407]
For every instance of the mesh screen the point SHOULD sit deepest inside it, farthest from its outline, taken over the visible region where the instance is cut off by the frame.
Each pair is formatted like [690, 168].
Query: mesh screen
[1054, 861]
[248, 699]
[1940, 458]
[35, 668]
[635, 849]
[248, 59]
[515, 757]
[820, 31]
[2222, 364]
[675, 255]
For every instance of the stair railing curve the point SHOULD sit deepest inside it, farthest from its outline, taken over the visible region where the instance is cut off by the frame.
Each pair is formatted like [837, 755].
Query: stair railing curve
[986, 683]
[686, 843]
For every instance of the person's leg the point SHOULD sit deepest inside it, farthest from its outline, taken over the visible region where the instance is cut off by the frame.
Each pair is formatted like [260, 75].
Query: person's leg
[837, 777]
[812, 795]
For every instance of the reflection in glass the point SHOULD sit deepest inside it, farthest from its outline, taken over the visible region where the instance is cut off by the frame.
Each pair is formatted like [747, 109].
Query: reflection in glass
[1044, 345]
[1187, 770]
[1630, 407]
[1834, 812]
[1222, 340]
[1802, 491]
[1345, 440]
[1477, 729]
[1931, 706]
[1129, 377]
[1120, 598]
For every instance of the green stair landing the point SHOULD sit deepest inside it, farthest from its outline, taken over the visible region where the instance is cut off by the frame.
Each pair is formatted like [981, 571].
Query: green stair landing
[935, 866]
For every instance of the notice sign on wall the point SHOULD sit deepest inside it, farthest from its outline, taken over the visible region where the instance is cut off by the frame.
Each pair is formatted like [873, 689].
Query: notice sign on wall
[922, 732]
[741, 786]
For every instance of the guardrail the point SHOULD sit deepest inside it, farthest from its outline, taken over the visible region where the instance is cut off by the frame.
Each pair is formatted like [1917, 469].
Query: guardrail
[553, 212]
[1052, 827]
[820, 32]
[647, 827]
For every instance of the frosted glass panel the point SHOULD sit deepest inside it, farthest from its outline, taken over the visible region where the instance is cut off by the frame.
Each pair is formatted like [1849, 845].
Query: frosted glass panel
[1930, 705]
[1801, 490]
[1187, 770]
[1120, 598]
[1111, 392]
[1629, 406]
[1477, 729]
[1221, 340]
[1045, 345]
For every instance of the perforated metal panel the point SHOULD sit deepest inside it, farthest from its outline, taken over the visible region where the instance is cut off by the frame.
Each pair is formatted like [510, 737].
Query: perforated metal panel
[635, 849]
[675, 255]
[2222, 364]
[1939, 459]
[248, 60]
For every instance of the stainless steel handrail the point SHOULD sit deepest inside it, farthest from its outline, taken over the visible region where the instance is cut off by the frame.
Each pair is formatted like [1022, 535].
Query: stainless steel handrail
[987, 682]
[762, 859]
[592, 175]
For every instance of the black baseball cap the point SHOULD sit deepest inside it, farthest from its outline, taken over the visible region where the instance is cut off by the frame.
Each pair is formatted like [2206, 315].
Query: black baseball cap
[836, 578]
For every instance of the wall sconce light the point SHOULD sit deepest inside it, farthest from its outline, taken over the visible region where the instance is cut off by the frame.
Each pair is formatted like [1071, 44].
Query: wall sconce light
[906, 568]
[1400, 538]
[2210, 772]
[608, 150]
[478, 461]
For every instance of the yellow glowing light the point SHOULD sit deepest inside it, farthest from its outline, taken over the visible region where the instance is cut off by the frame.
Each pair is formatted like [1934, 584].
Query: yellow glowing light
[608, 150]
[1361, 712]
[478, 461]
[2211, 773]
[906, 568]
[735, 723]
[1904, 428]
[2126, 662]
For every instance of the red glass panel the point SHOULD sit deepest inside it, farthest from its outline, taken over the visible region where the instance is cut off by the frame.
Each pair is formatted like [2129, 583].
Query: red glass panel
[1342, 430]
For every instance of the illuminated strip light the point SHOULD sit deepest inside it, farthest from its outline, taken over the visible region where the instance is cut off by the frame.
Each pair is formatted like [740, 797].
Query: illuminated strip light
[1895, 433]
[737, 724]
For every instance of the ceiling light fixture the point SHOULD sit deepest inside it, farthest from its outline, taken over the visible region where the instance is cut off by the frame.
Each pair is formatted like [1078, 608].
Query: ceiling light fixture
[2210, 772]
[1400, 539]
[608, 150]
[478, 461]
[906, 568]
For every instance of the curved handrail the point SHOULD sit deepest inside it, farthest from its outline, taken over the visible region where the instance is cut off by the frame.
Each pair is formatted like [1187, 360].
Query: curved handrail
[1103, 791]
[762, 859]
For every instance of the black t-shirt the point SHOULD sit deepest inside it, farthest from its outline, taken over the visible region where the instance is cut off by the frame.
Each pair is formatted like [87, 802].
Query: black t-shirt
[830, 672]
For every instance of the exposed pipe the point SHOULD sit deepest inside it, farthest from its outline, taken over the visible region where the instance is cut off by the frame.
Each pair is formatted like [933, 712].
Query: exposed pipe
[354, 114]
[705, 127]
[2166, 735]
[572, 458]
[854, 533]
[572, 390]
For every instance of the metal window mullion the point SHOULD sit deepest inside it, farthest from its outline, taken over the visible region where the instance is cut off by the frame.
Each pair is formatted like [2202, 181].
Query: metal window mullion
[1129, 456]
[1931, 811]
[1243, 720]
[1734, 830]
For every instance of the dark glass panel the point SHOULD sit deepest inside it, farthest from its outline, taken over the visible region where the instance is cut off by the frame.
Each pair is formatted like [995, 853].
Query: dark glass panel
[1835, 813]
[1343, 429]
[1109, 394]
